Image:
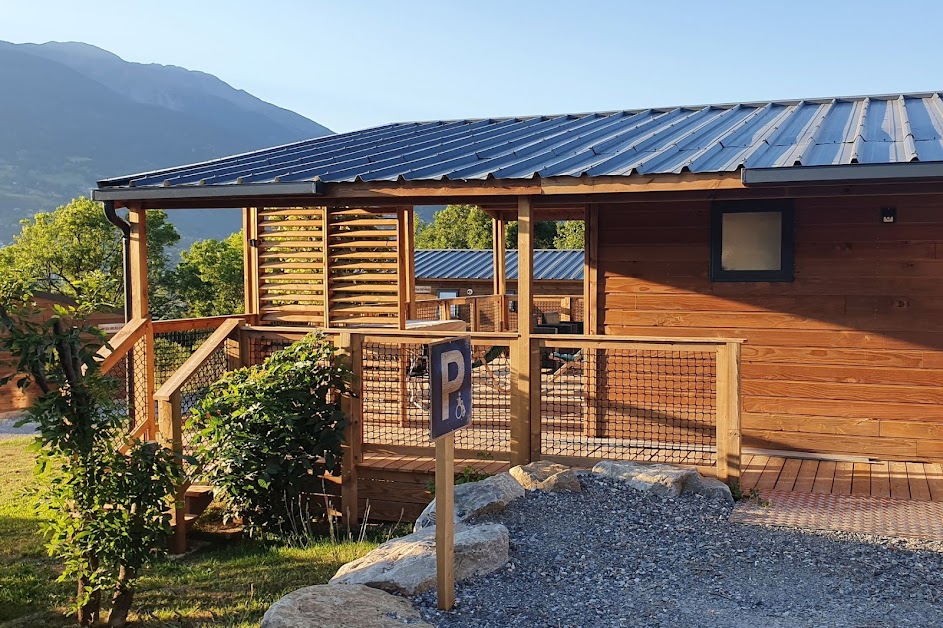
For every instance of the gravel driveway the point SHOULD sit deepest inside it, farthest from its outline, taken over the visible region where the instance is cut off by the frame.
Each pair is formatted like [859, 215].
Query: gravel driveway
[8, 427]
[612, 556]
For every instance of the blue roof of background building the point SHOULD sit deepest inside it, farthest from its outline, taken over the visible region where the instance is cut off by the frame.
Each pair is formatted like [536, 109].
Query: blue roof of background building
[886, 129]
[549, 264]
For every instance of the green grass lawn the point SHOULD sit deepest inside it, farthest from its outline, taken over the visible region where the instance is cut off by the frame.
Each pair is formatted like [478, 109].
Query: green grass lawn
[220, 584]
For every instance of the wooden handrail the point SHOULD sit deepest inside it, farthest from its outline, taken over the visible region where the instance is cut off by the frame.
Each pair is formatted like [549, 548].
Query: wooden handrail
[121, 343]
[183, 374]
[192, 324]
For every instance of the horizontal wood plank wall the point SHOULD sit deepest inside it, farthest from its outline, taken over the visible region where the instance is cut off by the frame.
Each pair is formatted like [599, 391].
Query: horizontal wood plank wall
[846, 359]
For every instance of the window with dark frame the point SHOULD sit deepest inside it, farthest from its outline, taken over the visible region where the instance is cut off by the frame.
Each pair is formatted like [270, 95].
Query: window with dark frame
[752, 241]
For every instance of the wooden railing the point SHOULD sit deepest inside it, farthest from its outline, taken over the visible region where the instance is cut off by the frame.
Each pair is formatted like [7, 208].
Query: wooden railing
[170, 410]
[496, 312]
[129, 356]
[569, 398]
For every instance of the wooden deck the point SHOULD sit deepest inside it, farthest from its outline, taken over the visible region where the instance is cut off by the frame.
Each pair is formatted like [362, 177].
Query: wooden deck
[896, 480]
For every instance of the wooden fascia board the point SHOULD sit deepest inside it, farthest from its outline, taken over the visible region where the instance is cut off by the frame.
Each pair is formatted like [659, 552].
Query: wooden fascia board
[567, 191]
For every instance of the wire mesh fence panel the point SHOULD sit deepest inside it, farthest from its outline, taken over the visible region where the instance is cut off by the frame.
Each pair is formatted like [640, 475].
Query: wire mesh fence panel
[395, 390]
[427, 310]
[171, 350]
[489, 314]
[131, 385]
[626, 403]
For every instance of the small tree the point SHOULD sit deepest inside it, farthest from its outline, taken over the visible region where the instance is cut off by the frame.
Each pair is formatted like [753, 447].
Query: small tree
[110, 510]
[208, 279]
[264, 430]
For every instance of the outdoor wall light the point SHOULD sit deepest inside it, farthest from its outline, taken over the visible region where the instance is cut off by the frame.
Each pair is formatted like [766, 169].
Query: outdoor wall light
[888, 215]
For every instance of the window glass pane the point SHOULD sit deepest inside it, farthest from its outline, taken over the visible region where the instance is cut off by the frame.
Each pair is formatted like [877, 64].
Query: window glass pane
[752, 241]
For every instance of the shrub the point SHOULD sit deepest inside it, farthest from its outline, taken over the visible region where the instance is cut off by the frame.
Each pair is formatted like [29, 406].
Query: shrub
[265, 431]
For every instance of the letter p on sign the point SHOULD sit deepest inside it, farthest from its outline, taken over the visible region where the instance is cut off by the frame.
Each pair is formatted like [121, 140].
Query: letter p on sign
[450, 383]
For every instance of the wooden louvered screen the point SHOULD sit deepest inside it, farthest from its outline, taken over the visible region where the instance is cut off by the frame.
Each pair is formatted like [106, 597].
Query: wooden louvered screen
[361, 267]
[291, 265]
[363, 262]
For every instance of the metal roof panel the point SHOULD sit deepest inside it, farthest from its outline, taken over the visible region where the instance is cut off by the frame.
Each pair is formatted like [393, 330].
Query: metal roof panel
[885, 129]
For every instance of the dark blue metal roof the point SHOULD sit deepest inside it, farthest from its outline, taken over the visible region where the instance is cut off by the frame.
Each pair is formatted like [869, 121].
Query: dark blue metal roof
[549, 264]
[887, 129]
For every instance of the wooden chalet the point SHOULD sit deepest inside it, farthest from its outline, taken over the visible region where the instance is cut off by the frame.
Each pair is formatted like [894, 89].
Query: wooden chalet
[758, 277]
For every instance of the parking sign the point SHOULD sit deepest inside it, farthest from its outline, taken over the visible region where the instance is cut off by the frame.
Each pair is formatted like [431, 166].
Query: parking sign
[450, 383]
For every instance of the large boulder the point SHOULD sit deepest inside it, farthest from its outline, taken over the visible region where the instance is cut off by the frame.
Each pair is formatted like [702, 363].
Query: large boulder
[407, 565]
[546, 476]
[663, 479]
[477, 498]
[331, 606]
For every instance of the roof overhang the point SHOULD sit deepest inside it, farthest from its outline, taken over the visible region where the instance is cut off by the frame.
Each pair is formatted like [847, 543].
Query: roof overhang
[198, 192]
[853, 173]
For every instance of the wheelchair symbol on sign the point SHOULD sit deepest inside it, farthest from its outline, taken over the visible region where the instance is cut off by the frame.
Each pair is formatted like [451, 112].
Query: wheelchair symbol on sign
[460, 411]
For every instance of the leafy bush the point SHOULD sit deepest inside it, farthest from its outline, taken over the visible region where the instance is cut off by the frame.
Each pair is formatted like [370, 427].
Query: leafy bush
[264, 431]
[109, 510]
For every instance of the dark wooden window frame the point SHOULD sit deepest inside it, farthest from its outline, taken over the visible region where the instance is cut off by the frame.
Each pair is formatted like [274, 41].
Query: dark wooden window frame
[786, 271]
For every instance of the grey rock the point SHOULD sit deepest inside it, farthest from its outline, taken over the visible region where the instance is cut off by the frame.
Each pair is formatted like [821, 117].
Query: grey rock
[341, 606]
[472, 499]
[709, 487]
[546, 476]
[660, 479]
[407, 565]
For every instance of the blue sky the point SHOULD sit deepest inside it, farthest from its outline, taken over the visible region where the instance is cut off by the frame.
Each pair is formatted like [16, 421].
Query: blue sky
[351, 65]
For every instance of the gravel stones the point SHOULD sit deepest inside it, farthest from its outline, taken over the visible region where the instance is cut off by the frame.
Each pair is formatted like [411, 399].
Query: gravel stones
[341, 606]
[614, 557]
[406, 565]
[546, 476]
[473, 499]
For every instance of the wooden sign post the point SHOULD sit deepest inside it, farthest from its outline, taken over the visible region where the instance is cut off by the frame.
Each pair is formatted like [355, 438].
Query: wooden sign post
[450, 408]
[445, 521]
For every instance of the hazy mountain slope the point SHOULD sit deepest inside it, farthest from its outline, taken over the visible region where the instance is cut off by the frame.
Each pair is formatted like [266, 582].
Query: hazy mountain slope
[72, 114]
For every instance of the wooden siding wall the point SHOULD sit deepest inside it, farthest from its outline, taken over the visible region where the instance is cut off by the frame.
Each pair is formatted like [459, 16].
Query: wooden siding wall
[12, 398]
[352, 251]
[847, 359]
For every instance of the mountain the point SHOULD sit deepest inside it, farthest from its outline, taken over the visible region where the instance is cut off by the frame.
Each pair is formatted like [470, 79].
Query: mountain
[71, 113]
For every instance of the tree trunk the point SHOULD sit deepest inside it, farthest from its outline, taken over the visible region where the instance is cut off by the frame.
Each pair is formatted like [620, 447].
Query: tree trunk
[89, 612]
[121, 603]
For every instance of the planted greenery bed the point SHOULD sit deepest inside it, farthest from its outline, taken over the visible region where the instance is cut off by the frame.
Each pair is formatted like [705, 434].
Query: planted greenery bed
[219, 584]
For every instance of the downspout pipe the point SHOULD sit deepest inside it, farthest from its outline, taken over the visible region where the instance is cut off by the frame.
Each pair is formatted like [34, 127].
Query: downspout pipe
[125, 228]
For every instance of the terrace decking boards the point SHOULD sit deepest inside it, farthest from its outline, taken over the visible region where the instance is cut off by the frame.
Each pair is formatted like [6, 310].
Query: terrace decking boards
[896, 480]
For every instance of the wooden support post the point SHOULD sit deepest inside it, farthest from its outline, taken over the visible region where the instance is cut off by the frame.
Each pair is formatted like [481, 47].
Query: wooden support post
[536, 401]
[402, 280]
[171, 436]
[144, 410]
[522, 370]
[326, 270]
[250, 256]
[593, 427]
[409, 239]
[499, 255]
[728, 412]
[473, 314]
[445, 521]
[150, 376]
[566, 309]
[591, 323]
[352, 345]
